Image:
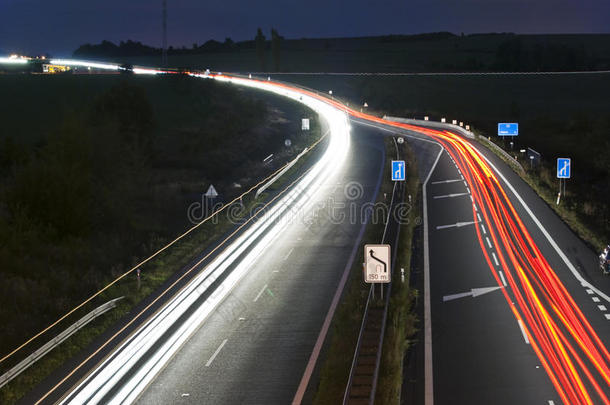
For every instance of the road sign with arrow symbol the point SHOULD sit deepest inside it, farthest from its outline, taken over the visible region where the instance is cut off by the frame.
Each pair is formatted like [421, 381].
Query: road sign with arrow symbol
[377, 263]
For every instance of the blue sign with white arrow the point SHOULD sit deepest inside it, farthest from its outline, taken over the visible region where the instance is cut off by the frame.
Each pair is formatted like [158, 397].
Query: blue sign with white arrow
[398, 170]
[564, 168]
[508, 129]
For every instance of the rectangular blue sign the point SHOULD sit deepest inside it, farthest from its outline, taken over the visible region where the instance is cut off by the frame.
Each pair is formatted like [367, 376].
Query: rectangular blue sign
[564, 168]
[508, 129]
[398, 170]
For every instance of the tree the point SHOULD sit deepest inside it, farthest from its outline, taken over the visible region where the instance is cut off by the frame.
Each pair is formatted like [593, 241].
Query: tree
[260, 48]
[276, 40]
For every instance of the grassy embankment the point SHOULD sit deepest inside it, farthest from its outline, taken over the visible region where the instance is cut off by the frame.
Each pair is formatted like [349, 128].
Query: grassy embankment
[103, 180]
[337, 356]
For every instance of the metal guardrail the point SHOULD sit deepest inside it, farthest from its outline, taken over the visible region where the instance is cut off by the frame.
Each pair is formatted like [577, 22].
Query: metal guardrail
[462, 131]
[501, 151]
[56, 341]
[432, 124]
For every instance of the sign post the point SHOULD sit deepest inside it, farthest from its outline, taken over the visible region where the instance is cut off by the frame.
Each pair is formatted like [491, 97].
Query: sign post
[305, 124]
[564, 171]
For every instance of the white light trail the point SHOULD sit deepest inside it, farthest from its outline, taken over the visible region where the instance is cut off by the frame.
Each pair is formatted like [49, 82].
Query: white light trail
[117, 374]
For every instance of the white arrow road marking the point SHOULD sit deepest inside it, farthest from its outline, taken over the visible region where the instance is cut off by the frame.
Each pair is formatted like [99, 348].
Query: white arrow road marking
[475, 292]
[449, 195]
[446, 181]
[456, 225]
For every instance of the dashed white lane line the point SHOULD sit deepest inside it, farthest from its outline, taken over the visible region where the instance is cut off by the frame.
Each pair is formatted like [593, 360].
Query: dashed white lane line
[488, 242]
[475, 207]
[216, 353]
[483, 229]
[495, 258]
[471, 199]
[286, 257]
[479, 217]
[462, 176]
[260, 293]
[595, 299]
[466, 184]
[502, 277]
[527, 341]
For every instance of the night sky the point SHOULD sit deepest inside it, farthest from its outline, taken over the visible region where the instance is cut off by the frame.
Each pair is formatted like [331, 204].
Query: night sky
[60, 26]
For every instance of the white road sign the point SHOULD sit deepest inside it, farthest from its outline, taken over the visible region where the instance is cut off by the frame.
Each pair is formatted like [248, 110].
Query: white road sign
[305, 124]
[377, 263]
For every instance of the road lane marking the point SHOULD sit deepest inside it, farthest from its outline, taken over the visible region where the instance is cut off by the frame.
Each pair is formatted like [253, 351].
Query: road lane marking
[483, 229]
[428, 360]
[466, 184]
[527, 341]
[595, 299]
[589, 291]
[456, 225]
[449, 195]
[445, 181]
[551, 402]
[475, 207]
[502, 277]
[471, 199]
[602, 307]
[286, 257]
[260, 293]
[468, 189]
[479, 217]
[495, 258]
[607, 316]
[488, 242]
[216, 353]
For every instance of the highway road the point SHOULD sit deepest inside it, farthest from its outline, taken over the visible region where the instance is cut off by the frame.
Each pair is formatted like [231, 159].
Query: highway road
[256, 346]
[518, 308]
[514, 309]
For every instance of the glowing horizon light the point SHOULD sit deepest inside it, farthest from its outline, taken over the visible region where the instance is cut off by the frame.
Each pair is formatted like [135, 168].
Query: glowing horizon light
[82, 63]
[14, 59]
[144, 71]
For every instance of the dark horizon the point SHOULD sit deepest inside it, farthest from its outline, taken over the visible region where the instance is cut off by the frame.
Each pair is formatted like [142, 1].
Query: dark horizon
[35, 27]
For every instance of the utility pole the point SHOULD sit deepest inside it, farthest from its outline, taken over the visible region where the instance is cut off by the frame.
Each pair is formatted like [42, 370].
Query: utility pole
[164, 50]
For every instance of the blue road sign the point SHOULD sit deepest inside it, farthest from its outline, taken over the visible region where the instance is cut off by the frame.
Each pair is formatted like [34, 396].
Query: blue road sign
[508, 129]
[564, 168]
[398, 170]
